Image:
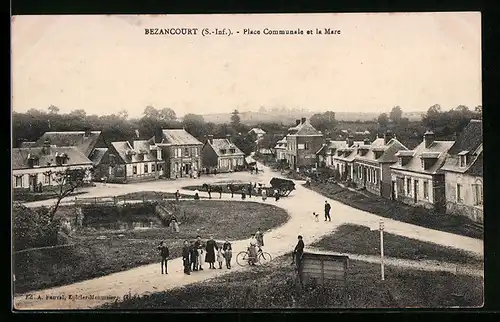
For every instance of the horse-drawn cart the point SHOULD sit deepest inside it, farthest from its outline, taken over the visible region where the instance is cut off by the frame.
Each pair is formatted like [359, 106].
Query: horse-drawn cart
[284, 186]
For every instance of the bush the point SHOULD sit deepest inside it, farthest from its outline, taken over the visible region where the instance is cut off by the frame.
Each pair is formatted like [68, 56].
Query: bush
[33, 228]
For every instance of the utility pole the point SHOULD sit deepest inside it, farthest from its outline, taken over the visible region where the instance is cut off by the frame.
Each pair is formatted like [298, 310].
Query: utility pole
[381, 228]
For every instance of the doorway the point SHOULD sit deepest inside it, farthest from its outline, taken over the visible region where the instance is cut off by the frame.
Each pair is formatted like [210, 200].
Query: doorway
[33, 180]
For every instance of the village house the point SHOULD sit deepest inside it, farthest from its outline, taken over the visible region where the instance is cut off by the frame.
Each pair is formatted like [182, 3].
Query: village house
[280, 149]
[85, 141]
[258, 132]
[372, 164]
[181, 152]
[222, 154]
[328, 151]
[124, 162]
[417, 178]
[343, 158]
[303, 141]
[463, 173]
[35, 166]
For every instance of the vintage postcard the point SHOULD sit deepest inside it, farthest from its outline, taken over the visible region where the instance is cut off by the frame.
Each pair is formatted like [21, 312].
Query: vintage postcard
[322, 161]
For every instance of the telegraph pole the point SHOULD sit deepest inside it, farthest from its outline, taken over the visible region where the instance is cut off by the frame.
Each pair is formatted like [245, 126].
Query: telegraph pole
[381, 228]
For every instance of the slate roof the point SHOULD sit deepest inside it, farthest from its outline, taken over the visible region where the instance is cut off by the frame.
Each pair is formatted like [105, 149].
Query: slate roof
[20, 157]
[439, 148]
[71, 138]
[281, 144]
[326, 148]
[304, 129]
[257, 130]
[224, 144]
[476, 169]
[471, 139]
[388, 150]
[178, 137]
[130, 155]
[97, 154]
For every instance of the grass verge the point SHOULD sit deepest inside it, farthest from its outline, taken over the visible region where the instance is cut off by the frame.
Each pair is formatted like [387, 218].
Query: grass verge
[273, 286]
[357, 239]
[92, 256]
[27, 196]
[399, 211]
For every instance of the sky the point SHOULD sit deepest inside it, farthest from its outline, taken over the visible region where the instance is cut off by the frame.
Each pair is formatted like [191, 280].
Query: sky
[106, 63]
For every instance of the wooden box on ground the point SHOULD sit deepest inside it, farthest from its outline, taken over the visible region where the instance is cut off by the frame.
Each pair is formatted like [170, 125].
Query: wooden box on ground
[324, 268]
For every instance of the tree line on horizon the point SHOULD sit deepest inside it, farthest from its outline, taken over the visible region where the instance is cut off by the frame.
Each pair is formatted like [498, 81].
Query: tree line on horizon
[31, 125]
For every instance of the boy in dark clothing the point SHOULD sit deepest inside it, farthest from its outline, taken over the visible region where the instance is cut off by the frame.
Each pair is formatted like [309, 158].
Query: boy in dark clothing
[164, 253]
[228, 253]
[186, 258]
[193, 253]
[327, 211]
[298, 252]
[177, 195]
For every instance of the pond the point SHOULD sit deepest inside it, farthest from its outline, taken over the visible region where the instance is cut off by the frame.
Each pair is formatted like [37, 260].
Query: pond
[123, 225]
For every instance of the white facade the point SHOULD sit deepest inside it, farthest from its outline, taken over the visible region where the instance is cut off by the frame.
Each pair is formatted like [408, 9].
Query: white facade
[45, 175]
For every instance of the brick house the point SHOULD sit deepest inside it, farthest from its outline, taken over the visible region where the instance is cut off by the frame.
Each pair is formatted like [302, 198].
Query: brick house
[124, 162]
[222, 154]
[35, 165]
[463, 173]
[181, 152]
[303, 141]
[417, 178]
[372, 163]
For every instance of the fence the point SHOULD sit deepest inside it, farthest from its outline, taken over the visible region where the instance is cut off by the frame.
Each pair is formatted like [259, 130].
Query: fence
[116, 200]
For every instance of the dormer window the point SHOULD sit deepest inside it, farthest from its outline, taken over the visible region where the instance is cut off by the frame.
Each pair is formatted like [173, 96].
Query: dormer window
[232, 150]
[223, 151]
[61, 158]
[378, 154]
[463, 158]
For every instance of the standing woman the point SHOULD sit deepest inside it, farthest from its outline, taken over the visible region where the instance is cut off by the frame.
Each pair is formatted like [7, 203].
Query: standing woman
[210, 249]
[228, 253]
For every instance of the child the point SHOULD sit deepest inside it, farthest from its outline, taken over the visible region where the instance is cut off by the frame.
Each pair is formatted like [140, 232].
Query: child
[316, 215]
[220, 257]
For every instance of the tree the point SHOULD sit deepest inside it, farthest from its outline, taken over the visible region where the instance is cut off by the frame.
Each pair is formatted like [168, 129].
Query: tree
[195, 125]
[151, 112]
[167, 114]
[324, 122]
[478, 109]
[123, 114]
[53, 109]
[80, 113]
[396, 114]
[462, 109]
[235, 119]
[383, 120]
[66, 183]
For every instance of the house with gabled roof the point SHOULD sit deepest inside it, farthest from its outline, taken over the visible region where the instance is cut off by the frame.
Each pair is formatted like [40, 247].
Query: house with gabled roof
[327, 152]
[417, 177]
[222, 154]
[85, 141]
[125, 162]
[303, 141]
[280, 149]
[35, 166]
[463, 173]
[180, 152]
[372, 163]
[343, 158]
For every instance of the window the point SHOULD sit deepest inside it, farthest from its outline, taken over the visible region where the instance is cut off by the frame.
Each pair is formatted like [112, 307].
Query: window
[463, 160]
[19, 181]
[426, 189]
[134, 169]
[158, 167]
[153, 167]
[146, 168]
[186, 152]
[33, 162]
[400, 185]
[459, 193]
[400, 160]
[223, 151]
[422, 161]
[408, 186]
[477, 190]
[158, 154]
[46, 178]
[232, 150]
[306, 146]
[301, 146]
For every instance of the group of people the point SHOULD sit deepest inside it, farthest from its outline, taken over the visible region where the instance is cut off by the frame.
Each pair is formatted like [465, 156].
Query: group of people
[193, 254]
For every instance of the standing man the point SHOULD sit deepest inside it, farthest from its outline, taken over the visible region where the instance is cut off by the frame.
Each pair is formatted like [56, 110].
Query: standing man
[228, 253]
[186, 258]
[327, 211]
[164, 253]
[298, 252]
[193, 256]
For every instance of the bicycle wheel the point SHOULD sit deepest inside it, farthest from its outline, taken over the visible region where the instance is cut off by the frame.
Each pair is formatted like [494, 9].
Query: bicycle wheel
[242, 258]
[264, 258]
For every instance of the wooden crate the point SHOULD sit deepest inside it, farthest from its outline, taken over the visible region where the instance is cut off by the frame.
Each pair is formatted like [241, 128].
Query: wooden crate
[323, 268]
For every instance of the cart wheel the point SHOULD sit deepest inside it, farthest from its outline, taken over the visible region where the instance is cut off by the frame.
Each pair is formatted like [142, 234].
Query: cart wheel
[242, 259]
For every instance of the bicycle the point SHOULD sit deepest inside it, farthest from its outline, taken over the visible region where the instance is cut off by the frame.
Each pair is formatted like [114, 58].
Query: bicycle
[243, 258]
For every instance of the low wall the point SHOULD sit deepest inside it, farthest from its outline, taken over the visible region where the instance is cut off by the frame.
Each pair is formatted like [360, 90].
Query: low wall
[473, 213]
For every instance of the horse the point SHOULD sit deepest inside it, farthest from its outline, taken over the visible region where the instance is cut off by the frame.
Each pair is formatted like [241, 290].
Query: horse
[211, 189]
[236, 187]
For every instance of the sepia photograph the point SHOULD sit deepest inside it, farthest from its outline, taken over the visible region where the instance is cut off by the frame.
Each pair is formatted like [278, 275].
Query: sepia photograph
[247, 161]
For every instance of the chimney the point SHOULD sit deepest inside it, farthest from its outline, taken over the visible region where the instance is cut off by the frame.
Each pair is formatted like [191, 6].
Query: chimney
[388, 136]
[87, 132]
[350, 140]
[211, 139]
[158, 135]
[46, 147]
[297, 122]
[303, 120]
[428, 139]
[228, 137]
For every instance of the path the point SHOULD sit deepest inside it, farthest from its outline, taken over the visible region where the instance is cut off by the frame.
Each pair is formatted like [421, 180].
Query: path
[300, 205]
